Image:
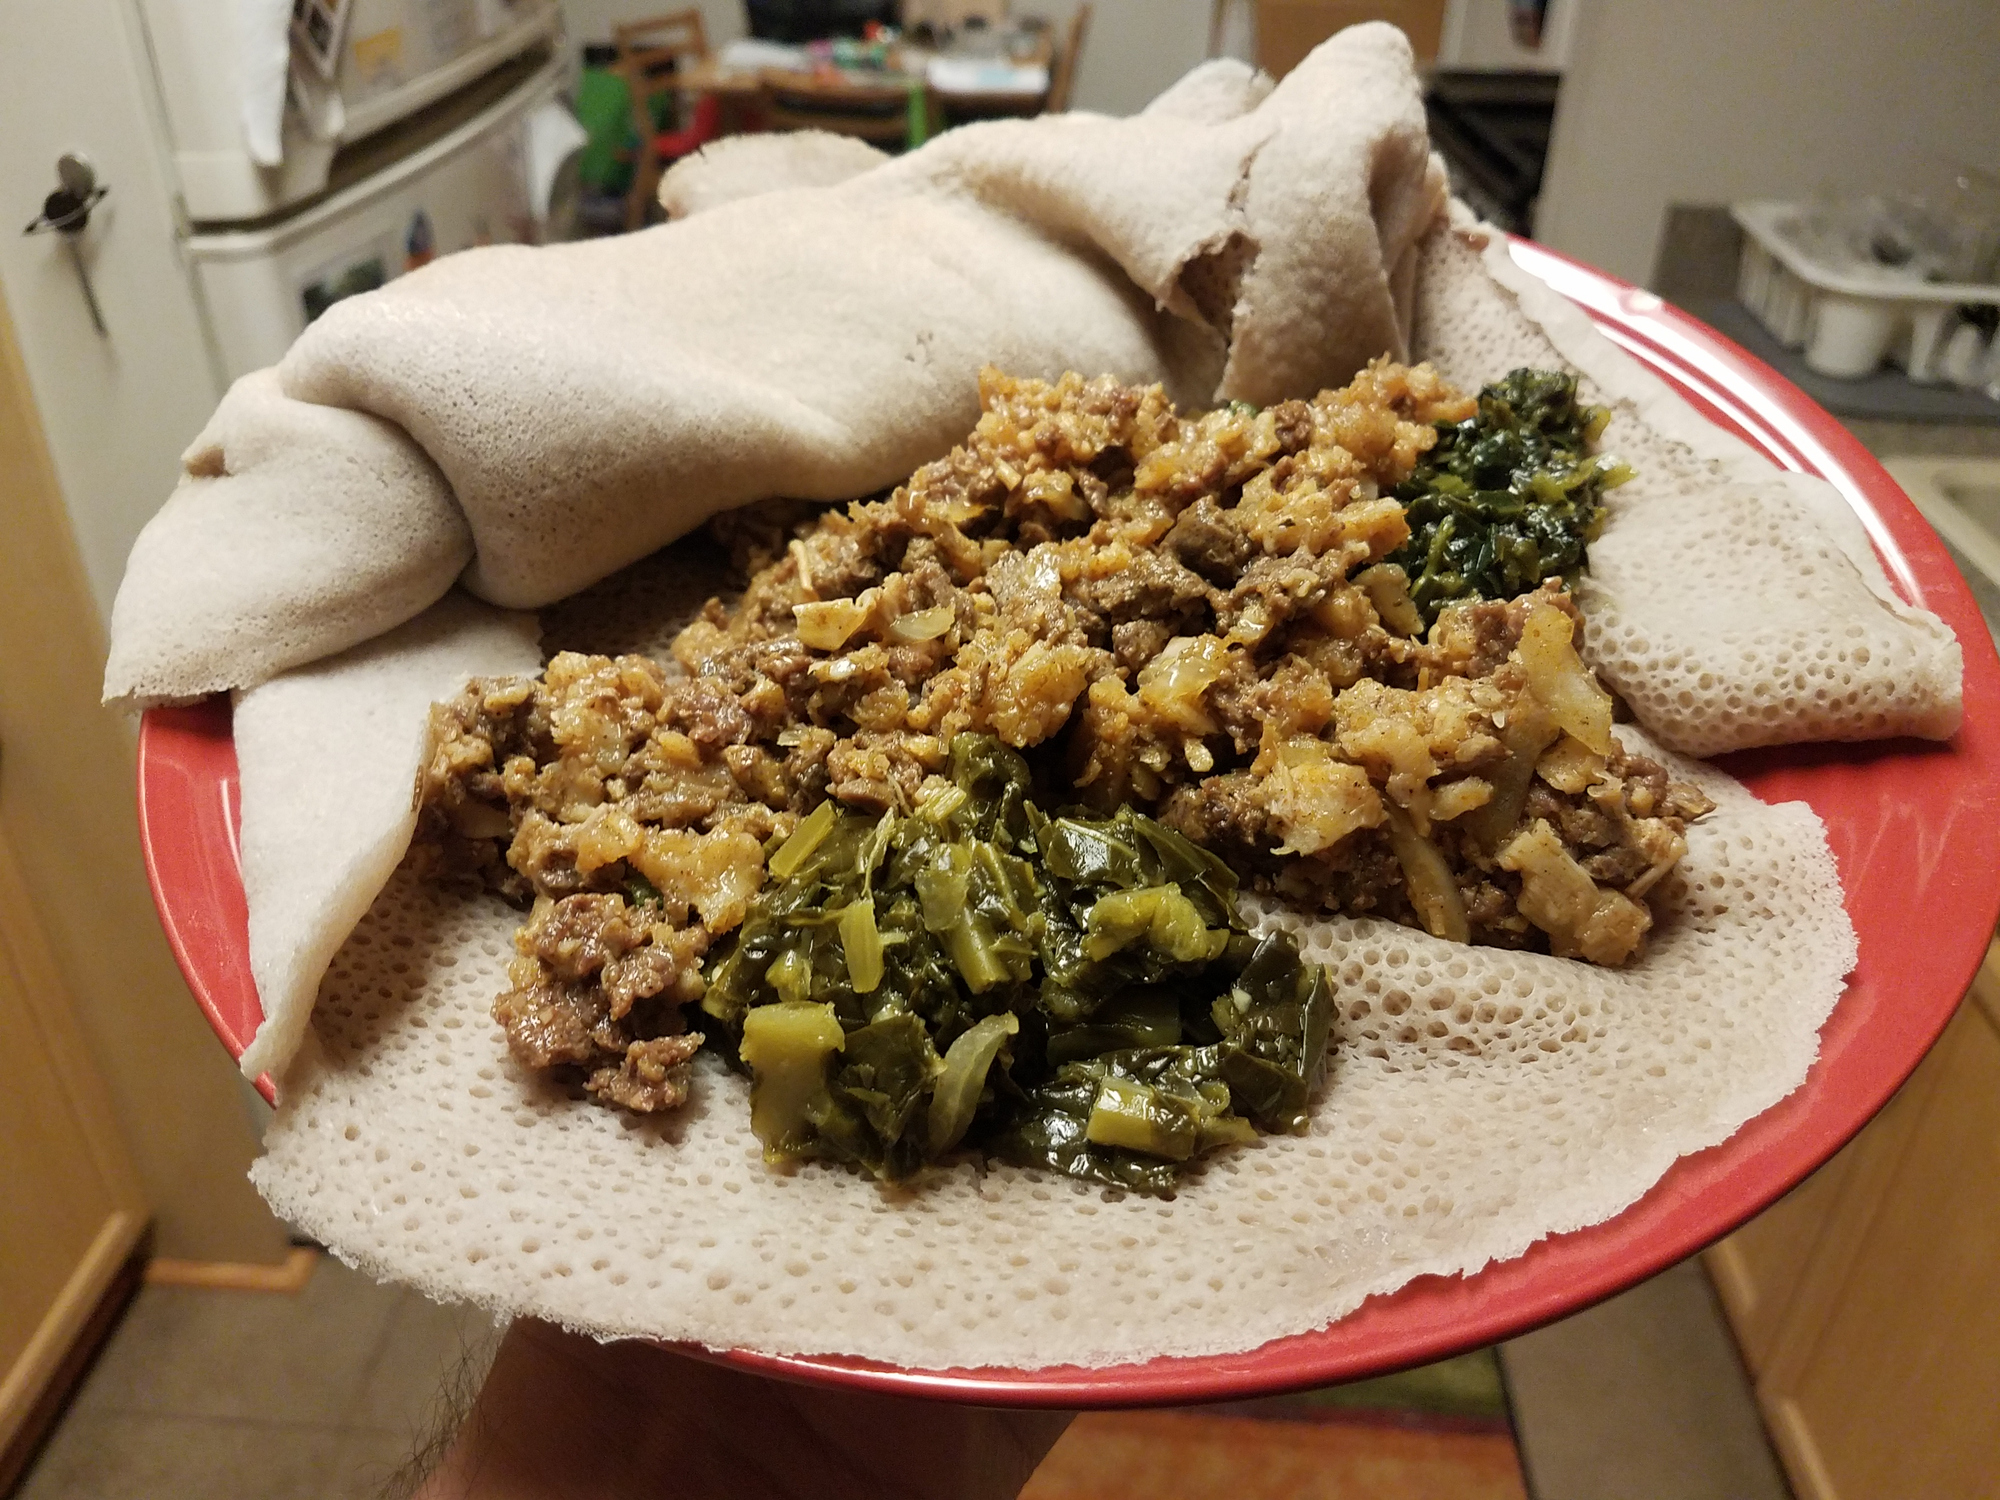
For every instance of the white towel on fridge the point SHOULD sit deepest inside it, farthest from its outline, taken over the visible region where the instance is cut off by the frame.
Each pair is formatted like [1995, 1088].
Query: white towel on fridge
[263, 61]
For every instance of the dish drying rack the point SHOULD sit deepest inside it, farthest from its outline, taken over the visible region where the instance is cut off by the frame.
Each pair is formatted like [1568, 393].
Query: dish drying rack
[1849, 319]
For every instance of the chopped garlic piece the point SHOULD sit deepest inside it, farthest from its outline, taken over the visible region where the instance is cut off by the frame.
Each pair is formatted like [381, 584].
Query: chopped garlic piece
[1316, 800]
[1460, 796]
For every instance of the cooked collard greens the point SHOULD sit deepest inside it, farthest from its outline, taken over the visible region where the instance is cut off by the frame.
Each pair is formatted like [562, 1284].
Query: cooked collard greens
[1067, 992]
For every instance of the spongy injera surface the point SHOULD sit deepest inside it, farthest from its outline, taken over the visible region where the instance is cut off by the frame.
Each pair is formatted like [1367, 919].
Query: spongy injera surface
[1478, 1100]
[1732, 605]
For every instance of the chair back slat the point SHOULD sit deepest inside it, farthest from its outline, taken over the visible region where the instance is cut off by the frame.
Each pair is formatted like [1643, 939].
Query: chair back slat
[649, 50]
[1063, 78]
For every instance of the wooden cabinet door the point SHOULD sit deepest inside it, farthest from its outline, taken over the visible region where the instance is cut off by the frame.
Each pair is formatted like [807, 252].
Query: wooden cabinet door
[1758, 1268]
[67, 810]
[70, 1210]
[1779, 1270]
[1867, 1302]
[1288, 29]
[1895, 1392]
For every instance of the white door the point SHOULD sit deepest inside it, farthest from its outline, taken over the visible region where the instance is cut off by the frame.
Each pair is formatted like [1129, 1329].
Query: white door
[119, 406]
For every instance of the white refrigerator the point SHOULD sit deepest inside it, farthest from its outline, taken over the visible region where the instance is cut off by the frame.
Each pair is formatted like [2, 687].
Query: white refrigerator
[390, 132]
[435, 127]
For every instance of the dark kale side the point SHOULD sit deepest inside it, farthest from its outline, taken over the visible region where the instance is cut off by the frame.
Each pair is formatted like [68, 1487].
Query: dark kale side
[1507, 497]
[1070, 993]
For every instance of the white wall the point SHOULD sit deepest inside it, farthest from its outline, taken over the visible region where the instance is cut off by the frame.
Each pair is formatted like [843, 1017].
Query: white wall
[1706, 101]
[116, 410]
[1134, 48]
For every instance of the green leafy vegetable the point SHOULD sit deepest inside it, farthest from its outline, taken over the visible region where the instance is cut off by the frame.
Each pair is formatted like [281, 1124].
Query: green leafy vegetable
[1507, 497]
[1066, 992]
[639, 891]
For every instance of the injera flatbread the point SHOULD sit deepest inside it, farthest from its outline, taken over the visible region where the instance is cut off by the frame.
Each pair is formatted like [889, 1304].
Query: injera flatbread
[296, 532]
[328, 757]
[587, 403]
[741, 166]
[1791, 633]
[1478, 1100]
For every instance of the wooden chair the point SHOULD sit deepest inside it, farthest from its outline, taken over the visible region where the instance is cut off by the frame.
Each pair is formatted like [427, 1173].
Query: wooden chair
[1062, 76]
[650, 52]
[875, 112]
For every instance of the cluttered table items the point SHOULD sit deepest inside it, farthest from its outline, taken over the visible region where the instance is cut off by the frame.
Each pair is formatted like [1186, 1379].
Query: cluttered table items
[1017, 73]
[892, 90]
[849, 79]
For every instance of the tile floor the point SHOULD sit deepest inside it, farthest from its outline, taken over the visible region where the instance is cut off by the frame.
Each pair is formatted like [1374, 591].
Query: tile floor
[315, 1396]
[1640, 1398]
[322, 1395]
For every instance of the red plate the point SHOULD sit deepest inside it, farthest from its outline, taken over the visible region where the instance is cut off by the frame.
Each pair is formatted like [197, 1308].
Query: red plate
[1911, 824]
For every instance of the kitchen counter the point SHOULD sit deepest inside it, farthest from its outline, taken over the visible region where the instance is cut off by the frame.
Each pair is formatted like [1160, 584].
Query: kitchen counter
[1889, 441]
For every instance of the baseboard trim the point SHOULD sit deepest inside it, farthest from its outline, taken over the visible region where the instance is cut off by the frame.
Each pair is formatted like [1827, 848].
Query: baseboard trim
[289, 1275]
[1732, 1282]
[1796, 1449]
[34, 1392]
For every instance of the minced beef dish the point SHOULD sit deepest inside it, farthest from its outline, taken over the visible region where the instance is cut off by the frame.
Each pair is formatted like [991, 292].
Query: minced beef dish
[1188, 614]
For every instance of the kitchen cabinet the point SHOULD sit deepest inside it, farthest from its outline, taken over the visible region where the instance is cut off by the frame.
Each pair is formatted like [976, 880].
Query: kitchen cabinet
[70, 1207]
[1867, 1302]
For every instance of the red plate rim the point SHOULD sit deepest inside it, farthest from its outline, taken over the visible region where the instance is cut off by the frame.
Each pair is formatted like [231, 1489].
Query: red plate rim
[1921, 812]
